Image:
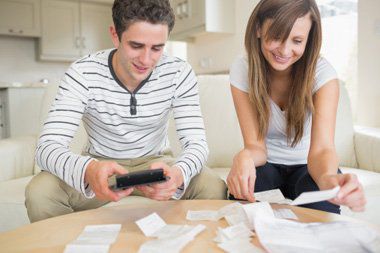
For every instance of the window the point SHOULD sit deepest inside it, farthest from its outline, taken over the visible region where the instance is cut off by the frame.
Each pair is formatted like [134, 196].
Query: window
[340, 41]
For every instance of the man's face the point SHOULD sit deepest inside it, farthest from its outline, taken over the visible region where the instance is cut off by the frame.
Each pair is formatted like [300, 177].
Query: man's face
[139, 50]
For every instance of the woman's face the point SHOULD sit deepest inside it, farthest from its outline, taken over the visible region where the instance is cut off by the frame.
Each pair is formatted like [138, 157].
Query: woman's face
[282, 55]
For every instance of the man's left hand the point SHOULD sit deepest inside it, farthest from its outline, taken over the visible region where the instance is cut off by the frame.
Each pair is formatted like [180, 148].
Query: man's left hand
[165, 190]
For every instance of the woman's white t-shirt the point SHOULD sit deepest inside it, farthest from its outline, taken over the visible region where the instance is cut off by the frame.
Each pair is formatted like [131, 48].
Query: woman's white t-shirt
[278, 148]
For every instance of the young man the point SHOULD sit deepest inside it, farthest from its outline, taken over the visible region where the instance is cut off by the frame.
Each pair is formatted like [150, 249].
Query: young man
[124, 97]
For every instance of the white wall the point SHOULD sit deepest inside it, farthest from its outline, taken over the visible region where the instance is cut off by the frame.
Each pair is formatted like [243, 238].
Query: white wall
[368, 103]
[220, 50]
[18, 62]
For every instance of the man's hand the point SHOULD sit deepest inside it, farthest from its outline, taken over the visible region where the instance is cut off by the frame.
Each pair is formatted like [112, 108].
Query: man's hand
[97, 174]
[242, 177]
[165, 190]
[351, 192]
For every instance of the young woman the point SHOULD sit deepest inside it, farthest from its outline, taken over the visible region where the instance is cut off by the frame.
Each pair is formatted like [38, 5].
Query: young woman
[286, 98]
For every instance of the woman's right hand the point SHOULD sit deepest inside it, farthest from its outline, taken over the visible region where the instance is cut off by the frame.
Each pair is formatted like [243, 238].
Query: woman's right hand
[241, 179]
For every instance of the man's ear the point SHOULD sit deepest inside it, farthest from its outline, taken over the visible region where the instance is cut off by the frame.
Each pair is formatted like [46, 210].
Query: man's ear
[114, 36]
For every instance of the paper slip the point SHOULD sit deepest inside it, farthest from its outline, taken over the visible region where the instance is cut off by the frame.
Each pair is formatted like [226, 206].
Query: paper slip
[167, 245]
[235, 219]
[94, 238]
[276, 196]
[284, 236]
[202, 215]
[172, 231]
[234, 208]
[239, 246]
[255, 209]
[208, 215]
[171, 244]
[315, 196]
[151, 224]
[285, 214]
[220, 237]
[237, 231]
[86, 248]
[271, 196]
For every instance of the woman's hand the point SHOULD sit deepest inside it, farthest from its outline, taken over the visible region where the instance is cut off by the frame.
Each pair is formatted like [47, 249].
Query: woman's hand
[351, 192]
[241, 179]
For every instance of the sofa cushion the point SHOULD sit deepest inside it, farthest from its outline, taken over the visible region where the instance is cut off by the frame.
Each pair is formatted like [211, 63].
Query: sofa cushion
[17, 157]
[344, 131]
[221, 123]
[12, 203]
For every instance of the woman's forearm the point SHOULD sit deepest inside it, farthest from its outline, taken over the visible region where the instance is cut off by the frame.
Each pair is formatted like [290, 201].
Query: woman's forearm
[322, 162]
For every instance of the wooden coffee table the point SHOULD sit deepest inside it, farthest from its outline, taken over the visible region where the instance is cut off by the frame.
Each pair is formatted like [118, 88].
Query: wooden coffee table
[53, 234]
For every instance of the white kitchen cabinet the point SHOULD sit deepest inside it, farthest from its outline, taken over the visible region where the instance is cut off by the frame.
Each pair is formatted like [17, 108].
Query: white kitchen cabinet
[95, 22]
[20, 18]
[195, 17]
[20, 109]
[71, 29]
[60, 38]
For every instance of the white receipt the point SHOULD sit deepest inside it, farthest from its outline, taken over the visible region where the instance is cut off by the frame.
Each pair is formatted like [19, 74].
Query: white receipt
[315, 196]
[202, 215]
[172, 243]
[271, 196]
[239, 246]
[231, 209]
[276, 196]
[150, 224]
[236, 231]
[254, 209]
[285, 214]
[94, 238]
[283, 236]
[168, 245]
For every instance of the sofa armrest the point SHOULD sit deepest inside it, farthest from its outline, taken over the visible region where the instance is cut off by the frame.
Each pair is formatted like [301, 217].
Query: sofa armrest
[367, 147]
[17, 157]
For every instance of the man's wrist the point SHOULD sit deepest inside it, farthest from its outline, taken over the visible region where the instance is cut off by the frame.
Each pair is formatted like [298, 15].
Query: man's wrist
[177, 172]
[89, 168]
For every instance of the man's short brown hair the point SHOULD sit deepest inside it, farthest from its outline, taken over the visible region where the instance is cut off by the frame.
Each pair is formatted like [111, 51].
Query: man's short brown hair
[126, 12]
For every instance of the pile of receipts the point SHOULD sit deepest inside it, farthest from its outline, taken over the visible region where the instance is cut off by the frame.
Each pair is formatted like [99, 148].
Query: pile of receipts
[279, 235]
[277, 230]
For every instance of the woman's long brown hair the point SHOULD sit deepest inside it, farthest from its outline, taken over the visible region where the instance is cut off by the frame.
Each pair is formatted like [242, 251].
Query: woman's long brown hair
[283, 14]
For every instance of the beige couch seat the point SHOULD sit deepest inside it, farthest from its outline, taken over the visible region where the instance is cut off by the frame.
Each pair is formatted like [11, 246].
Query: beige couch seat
[357, 148]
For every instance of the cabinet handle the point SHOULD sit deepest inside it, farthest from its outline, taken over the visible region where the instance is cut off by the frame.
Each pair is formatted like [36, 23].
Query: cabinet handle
[21, 31]
[10, 30]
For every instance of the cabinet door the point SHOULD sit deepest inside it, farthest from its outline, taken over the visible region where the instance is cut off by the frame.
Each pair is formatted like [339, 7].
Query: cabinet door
[190, 15]
[95, 22]
[20, 17]
[60, 30]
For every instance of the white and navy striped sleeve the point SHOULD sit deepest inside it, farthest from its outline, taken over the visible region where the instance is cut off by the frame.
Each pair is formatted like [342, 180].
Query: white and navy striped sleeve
[189, 125]
[53, 153]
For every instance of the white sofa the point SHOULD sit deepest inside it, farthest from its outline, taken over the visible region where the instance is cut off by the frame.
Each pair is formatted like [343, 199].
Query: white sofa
[357, 148]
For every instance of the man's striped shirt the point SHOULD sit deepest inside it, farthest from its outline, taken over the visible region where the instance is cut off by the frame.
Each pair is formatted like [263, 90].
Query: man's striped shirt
[90, 91]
